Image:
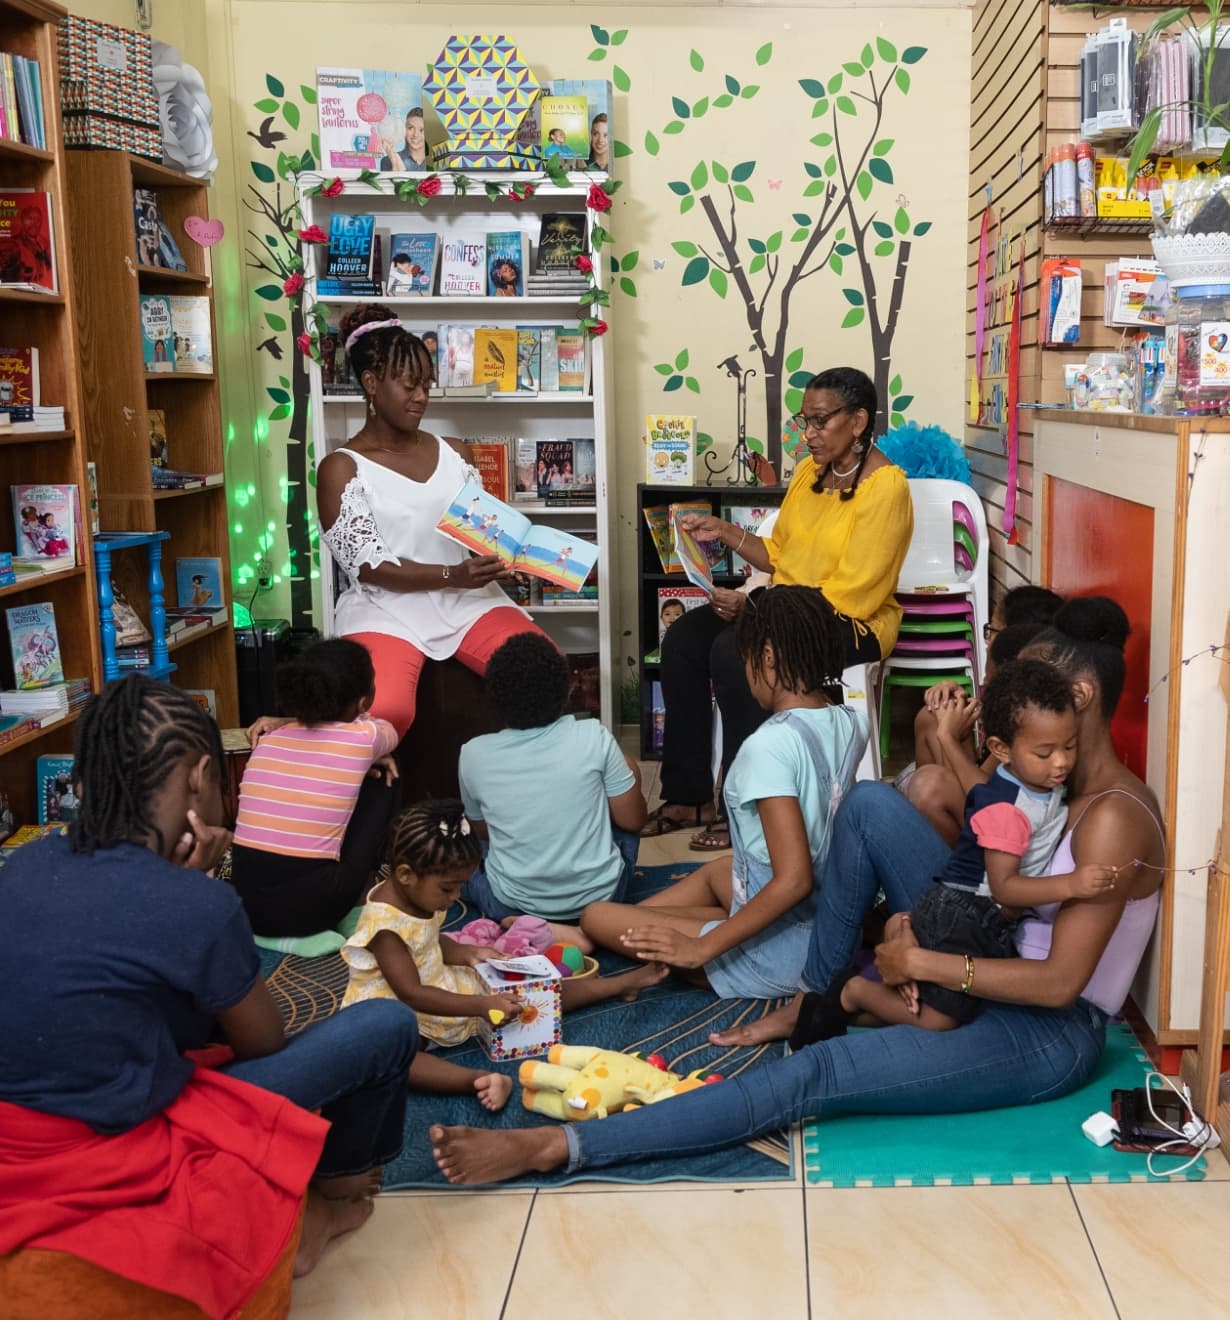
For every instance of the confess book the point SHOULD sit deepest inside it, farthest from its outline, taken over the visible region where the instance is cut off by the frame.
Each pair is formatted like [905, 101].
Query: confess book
[463, 267]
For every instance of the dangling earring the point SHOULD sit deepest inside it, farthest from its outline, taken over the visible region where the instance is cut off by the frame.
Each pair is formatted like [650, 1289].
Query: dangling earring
[371, 406]
[860, 446]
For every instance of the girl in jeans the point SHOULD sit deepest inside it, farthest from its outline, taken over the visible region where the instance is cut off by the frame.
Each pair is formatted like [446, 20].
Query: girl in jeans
[1039, 1036]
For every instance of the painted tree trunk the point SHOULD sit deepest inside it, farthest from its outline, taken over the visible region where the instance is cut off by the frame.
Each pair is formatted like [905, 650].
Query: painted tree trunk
[299, 512]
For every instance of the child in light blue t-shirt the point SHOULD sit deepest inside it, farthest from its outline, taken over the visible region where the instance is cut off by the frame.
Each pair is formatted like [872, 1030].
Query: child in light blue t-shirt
[744, 921]
[557, 803]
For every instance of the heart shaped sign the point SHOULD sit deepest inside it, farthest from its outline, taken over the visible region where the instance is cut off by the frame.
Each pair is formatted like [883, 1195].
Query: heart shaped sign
[1218, 342]
[207, 233]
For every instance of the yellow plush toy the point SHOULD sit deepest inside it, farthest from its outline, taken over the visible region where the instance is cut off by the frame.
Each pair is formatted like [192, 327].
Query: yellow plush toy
[582, 1081]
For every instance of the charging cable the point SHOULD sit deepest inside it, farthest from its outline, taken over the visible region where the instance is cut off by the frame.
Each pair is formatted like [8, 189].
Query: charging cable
[1196, 1132]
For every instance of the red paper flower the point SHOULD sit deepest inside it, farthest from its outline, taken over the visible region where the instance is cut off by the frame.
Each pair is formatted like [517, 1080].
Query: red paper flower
[598, 328]
[292, 285]
[305, 342]
[332, 188]
[313, 234]
[514, 196]
[527, 190]
[583, 264]
[598, 199]
[429, 186]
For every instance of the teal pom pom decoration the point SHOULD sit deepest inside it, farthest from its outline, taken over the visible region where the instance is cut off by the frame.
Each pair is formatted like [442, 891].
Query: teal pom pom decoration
[925, 451]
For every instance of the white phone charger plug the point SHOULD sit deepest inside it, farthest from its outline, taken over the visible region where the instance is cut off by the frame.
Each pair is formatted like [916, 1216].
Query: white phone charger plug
[1100, 1128]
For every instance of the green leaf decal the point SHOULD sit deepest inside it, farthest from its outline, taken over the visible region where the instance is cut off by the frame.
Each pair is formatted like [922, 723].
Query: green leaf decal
[595, 55]
[883, 147]
[691, 382]
[765, 53]
[663, 368]
[884, 247]
[270, 292]
[720, 173]
[743, 192]
[846, 105]
[262, 171]
[629, 261]
[853, 296]
[601, 35]
[278, 396]
[700, 176]
[854, 70]
[681, 107]
[836, 265]
[901, 221]
[799, 379]
[902, 79]
[275, 87]
[834, 84]
[700, 107]
[757, 263]
[852, 318]
[921, 228]
[651, 144]
[275, 321]
[673, 384]
[894, 385]
[867, 57]
[308, 94]
[880, 169]
[794, 360]
[693, 273]
[281, 411]
[743, 171]
[732, 85]
[913, 54]
[815, 188]
[618, 38]
[622, 149]
[800, 235]
[678, 187]
[864, 184]
[814, 170]
[800, 218]
[290, 112]
[685, 249]
[268, 106]
[749, 91]
[621, 80]
[883, 229]
[627, 286]
[822, 140]
[756, 244]
[812, 87]
[844, 249]
[888, 51]
[686, 205]
[721, 102]
[717, 282]
[696, 61]
[896, 419]
[830, 167]
[675, 126]
[774, 242]
[903, 402]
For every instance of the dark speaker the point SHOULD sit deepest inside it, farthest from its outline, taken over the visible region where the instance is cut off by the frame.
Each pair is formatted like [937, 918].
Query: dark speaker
[259, 650]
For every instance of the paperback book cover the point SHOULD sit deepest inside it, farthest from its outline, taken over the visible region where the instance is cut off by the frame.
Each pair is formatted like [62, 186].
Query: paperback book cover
[673, 602]
[572, 358]
[715, 552]
[191, 334]
[525, 453]
[553, 462]
[548, 367]
[458, 356]
[657, 717]
[658, 520]
[669, 444]
[491, 464]
[155, 244]
[561, 239]
[157, 421]
[488, 526]
[57, 802]
[463, 267]
[198, 582]
[335, 373]
[688, 551]
[206, 698]
[45, 519]
[156, 346]
[508, 252]
[366, 116]
[495, 357]
[565, 129]
[529, 358]
[19, 382]
[351, 247]
[748, 517]
[599, 125]
[584, 468]
[34, 645]
[27, 243]
[413, 259]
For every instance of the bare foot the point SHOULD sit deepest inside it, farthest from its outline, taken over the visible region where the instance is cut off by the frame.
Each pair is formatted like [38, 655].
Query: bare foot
[324, 1219]
[562, 934]
[353, 1187]
[493, 1090]
[639, 978]
[480, 1155]
[773, 1026]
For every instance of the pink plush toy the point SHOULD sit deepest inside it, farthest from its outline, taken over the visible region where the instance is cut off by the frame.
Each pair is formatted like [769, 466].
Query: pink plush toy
[526, 935]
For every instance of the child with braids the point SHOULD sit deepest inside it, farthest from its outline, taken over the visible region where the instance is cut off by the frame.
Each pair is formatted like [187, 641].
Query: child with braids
[744, 922]
[413, 595]
[399, 952]
[317, 795]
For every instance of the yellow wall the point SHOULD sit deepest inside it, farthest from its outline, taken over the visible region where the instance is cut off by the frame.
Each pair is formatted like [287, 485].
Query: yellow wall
[238, 43]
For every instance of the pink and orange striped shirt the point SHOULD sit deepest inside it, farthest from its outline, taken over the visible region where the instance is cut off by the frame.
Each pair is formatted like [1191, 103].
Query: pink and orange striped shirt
[300, 787]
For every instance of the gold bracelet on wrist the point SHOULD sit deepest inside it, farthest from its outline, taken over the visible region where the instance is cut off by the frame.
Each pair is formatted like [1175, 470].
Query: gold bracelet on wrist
[968, 984]
[741, 540]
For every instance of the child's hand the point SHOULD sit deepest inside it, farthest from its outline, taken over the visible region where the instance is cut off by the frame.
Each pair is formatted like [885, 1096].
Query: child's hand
[893, 956]
[266, 724]
[1092, 878]
[384, 767]
[201, 846]
[480, 953]
[663, 944]
[956, 719]
[509, 1005]
[940, 694]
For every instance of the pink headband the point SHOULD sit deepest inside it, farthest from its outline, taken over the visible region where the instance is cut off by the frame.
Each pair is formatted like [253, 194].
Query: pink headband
[371, 325]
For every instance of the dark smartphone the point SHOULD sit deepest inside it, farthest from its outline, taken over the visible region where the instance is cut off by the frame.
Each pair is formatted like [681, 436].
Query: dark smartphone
[1138, 1126]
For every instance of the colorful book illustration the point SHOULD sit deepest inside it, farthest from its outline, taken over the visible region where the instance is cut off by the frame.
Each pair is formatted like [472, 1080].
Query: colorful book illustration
[529, 358]
[599, 127]
[27, 241]
[495, 357]
[714, 551]
[45, 523]
[748, 517]
[369, 116]
[463, 266]
[572, 355]
[560, 239]
[155, 244]
[156, 345]
[553, 462]
[488, 526]
[670, 443]
[352, 246]
[19, 382]
[192, 343]
[525, 463]
[508, 255]
[658, 520]
[198, 582]
[156, 419]
[673, 602]
[491, 464]
[688, 551]
[565, 129]
[57, 800]
[458, 343]
[413, 259]
[34, 645]
[548, 368]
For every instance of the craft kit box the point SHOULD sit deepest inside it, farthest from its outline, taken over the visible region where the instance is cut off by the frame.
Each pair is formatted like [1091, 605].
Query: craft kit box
[99, 132]
[535, 981]
[107, 70]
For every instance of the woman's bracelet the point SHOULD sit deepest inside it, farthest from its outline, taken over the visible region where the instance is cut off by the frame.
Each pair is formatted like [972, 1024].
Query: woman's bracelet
[741, 540]
[968, 984]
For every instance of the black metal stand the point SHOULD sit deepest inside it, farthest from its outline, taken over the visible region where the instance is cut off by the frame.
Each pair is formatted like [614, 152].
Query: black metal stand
[741, 459]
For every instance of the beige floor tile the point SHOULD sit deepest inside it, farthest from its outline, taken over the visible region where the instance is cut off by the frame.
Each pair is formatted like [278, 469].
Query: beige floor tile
[951, 1251]
[714, 1254]
[1161, 1245]
[419, 1256]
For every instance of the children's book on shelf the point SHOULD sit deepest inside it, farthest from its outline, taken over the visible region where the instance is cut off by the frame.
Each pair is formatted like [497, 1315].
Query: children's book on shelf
[491, 464]
[529, 358]
[198, 582]
[155, 244]
[19, 383]
[561, 239]
[413, 259]
[206, 698]
[584, 466]
[748, 517]
[45, 521]
[488, 526]
[27, 241]
[156, 419]
[463, 266]
[156, 345]
[658, 520]
[192, 333]
[585, 684]
[572, 356]
[34, 645]
[495, 357]
[599, 126]
[525, 469]
[21, 100]
[690, 553]
[363, 116]
[129, 629]
[669, 445]
[565, 129]
[508, 255]
[57, 801]
[335, 374]
[350, 259]
[673, 602]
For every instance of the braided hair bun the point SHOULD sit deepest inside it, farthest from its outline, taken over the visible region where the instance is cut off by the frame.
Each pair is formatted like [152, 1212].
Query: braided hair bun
[1095, 619]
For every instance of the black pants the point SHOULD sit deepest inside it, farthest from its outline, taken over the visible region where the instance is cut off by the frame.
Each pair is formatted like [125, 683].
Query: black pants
[296, 896]
[697, 650]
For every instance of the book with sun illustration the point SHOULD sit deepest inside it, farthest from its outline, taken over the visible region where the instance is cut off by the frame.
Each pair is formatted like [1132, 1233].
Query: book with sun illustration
[487, 526]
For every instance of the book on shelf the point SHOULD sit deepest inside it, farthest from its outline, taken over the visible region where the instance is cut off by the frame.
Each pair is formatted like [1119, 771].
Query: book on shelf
[522, 590]
[198, 581]
[569, 499]
[495, 357]
[658, 521]
[529, 358]
[156, 420]
[44, 705]
[564, 128]
[561, 239]
[21, 100]
[584, 683]
[508, 256]
[19, 383]
[488, 526]
[350, 258]
[156, 346]
[335, 374]
[156, 246]
[674, 602]
[553, 595]
[669, 447]
[192, 344]
[45, 523]
[553, 466]
[365, 116]
[34, 645]
[657, 717]
[130, 630]
[207, 613]
[572, 356]
[748, 518]
[27, 241]
[491, 463]
[525, 469]
[57, 800]
[529, 132]
[206, 698]
[548, 364]
[13, 727]
[179, 479]
[7, 576]
[599, 124]
[413, 259]
[481, 389]
[463, 266]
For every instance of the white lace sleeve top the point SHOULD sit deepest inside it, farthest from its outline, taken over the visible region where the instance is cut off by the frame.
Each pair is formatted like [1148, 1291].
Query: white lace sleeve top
[385, 516]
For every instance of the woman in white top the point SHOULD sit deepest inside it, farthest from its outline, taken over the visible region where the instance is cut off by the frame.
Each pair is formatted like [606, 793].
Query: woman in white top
[413, 594]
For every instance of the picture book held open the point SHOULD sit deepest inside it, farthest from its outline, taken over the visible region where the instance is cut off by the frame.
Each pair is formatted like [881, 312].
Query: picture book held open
[695, 562]
[487, 526]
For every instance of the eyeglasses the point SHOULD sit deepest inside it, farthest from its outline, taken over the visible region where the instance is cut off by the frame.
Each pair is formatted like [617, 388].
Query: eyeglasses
[989, 630]
[804, 423]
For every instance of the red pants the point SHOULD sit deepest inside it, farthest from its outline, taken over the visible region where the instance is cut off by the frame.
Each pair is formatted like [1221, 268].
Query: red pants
[398, 663]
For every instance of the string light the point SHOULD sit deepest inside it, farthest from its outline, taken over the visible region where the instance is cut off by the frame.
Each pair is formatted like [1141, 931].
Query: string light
[1176, 870]
[1212, 649]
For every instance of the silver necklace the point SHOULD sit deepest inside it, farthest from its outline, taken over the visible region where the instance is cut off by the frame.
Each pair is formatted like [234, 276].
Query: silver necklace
[837, 472]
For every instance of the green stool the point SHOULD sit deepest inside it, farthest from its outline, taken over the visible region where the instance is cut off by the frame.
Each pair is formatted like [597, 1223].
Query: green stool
[913, 679]
[939, 628]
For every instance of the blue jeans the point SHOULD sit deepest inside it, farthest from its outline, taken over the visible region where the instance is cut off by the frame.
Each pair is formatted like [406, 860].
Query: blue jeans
[354, 1068]
[1011, 1054]
[481, 893]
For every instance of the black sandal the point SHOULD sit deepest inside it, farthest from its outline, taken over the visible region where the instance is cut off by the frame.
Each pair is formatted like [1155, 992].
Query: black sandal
[660, 823]
[821, 1016]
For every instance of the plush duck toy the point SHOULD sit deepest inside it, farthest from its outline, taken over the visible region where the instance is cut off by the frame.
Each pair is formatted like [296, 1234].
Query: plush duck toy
[582, 1081]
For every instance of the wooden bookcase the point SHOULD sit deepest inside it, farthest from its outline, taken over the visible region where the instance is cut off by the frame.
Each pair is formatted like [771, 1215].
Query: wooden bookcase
[47, 322]
[118, 394]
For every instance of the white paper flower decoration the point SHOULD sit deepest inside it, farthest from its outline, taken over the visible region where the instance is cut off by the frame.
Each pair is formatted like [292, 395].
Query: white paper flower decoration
[186, 112]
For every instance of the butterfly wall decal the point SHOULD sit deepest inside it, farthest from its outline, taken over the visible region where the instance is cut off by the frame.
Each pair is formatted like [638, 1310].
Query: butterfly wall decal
[775, 185]
[659, 263]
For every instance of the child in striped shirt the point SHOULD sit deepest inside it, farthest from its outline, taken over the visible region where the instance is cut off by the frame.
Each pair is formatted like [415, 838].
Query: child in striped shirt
[317, 795]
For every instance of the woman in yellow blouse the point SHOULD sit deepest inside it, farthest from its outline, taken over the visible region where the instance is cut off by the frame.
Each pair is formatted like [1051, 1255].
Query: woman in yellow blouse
[844, 527]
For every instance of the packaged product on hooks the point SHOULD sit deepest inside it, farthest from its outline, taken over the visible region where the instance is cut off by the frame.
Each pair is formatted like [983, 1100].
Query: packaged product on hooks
[1164, 81]
[1209, 54]
[1089, 87]
[1116, 55]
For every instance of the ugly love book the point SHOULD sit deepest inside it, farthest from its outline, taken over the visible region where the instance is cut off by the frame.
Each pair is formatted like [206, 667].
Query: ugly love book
[488, 526]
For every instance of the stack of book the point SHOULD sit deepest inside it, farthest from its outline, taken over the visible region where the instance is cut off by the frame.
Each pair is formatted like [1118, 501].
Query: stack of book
[20, 405]
[21, 101]
[28, 834]
[46, 705]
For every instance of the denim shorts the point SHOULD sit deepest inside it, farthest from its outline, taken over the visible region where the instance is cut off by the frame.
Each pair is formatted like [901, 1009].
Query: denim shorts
[946, 919]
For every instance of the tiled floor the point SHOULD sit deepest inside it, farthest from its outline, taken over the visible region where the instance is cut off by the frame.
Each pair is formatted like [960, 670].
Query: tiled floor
[698, 1251]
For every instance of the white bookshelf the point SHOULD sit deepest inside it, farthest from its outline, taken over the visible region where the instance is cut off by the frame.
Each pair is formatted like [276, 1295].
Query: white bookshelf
[587, 625]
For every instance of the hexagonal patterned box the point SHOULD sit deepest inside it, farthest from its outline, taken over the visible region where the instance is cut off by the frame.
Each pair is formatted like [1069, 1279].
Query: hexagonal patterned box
[481, 88]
